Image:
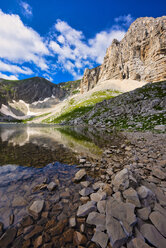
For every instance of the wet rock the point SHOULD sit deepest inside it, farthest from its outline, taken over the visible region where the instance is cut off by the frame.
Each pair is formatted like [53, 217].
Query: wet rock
[121, 180]
[100, 195]
[100, 238]
[82, 161]
[51, 186]
[68, 235]
[159, 221]
[101, 206]
[96, 219]
[11, 219]
[79, 175]
[36, 230]
[131, 196]
[151, 234]
[143, 213]
[36, 207]
[85, 184]
[85, 209]
[86, 191]
[8, 237]
[19, 201]
[137, 243]
[38, 241]
[26, 221]
[79, 239]
[58, 229]
[72, 221]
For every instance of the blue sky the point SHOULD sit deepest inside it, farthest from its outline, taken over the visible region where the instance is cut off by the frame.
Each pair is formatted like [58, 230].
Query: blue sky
[58, 39]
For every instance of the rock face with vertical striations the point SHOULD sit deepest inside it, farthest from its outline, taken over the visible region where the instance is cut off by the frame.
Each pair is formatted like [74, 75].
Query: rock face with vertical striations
[140, 55]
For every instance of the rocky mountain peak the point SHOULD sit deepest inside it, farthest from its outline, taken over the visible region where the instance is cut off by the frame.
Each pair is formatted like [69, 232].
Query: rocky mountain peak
[140, 55]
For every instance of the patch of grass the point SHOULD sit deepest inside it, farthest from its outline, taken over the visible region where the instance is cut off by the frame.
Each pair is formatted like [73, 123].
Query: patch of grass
[78, 109]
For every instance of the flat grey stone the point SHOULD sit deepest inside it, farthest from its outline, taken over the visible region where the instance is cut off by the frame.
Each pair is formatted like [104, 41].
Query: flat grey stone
[157, 172]
[131, 196]
[143, 213]
[159, 221]
[86, 191]
[121, 180]
[101, 206]
[152, 235]
[96, 219]
[98, 196]
[158, 208]
[85, 209]
[100, 238]
[115, 232]
[137, 243]
[51, 186]
[98, 185]
[36, 207]
[117, 196]
[80, 175]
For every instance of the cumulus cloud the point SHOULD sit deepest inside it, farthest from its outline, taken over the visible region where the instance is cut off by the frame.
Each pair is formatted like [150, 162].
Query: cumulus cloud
[19, 43]
[75, 52]
[11, 77]
[26, 9]
[124, 20]
[14, 68]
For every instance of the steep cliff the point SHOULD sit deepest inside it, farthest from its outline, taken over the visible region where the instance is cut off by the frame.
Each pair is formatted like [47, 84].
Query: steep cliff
[140, 55]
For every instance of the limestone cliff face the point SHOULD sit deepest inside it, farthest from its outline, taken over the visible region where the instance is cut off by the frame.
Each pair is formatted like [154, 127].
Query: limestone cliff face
[90, 79]
[140, 55]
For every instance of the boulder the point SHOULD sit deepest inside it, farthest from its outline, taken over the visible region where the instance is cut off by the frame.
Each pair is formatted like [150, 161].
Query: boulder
[96, 219]
[51, 186]
[152, 235]
[100, 238]
[121, 180]
[143, 213]
[86, 191]
[87, 208]
[100, 195]
[137, 243]
[132, 197]
[159, 221]
[101, 206]
[79, 175]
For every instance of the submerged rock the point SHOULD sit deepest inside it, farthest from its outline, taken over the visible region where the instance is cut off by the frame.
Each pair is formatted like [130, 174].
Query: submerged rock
[36, 207]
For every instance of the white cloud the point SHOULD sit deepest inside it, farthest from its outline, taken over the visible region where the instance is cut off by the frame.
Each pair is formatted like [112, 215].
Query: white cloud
[19, 43]
[26, 9]
[124, 20]
[74, 52]
[11, 77]
[14, 68]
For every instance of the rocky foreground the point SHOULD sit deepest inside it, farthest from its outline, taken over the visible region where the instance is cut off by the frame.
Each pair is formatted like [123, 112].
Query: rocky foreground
[124, 206]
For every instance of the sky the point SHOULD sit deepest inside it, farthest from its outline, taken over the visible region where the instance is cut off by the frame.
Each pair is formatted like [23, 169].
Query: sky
[58, 39]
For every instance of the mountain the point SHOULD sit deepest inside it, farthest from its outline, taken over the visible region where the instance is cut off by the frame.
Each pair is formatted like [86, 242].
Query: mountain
[140, 55]
[29, 90]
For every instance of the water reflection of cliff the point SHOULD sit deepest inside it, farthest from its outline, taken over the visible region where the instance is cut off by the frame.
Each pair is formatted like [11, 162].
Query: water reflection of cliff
[43, 144]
